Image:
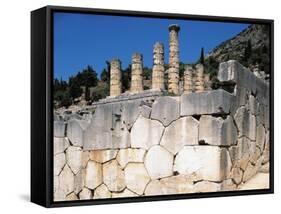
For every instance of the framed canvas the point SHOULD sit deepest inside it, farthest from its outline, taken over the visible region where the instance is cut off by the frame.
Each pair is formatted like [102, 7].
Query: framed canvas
[134, 106]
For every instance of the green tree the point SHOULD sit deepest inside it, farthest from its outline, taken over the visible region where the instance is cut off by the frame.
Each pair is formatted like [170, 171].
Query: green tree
[202, 56]
[74, 88]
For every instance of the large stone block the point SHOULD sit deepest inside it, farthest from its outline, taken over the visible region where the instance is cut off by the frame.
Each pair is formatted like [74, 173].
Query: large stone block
[246, 123]
[211, 102]
[66, 181]
[85, 194]
[165, 110]
[75, 131]
[59, 162]
[93, 175]
[113, 176]
[126, 156]
[102, 156]
[136, 177]
[124, 194]
[102, 192]
[261, 137]
[207, 162]
[107, 129]
[217, 131]
[180, 133]
[146, 133]
[159, 162]
[60, 145]
[74, 158]
[59, 129]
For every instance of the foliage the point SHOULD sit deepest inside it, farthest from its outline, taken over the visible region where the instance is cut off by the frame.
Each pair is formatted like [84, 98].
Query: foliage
[100, 91]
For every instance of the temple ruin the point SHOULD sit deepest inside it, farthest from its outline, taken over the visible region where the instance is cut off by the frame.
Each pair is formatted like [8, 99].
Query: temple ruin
[148, 142]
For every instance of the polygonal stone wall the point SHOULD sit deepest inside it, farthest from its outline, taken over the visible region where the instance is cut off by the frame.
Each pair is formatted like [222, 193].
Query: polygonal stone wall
[153, 145]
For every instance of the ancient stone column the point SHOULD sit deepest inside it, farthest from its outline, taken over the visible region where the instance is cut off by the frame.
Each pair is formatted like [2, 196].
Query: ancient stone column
[115, 77]
[199, 78]
[173, 75]
[137, 76]
[158, 69]
[188, 86]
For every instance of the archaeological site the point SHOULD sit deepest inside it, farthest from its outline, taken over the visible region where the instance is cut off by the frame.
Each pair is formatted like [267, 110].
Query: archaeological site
[179, 136]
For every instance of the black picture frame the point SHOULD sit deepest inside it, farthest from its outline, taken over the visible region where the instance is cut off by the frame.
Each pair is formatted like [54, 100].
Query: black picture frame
[42, 105]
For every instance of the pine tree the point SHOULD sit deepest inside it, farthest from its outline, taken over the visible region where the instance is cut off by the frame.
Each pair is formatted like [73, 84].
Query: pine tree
[202, 56]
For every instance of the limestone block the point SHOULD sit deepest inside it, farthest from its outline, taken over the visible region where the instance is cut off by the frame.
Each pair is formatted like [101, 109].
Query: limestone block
[253, 105]
[246, 123]
[59, 129]
[210, 102]
[85, 194]
[250, 171]
[74, 158]
[146, 133]
[59, 162]
[126, 156]
[165, 110]
[71, 197]
[236, 174]
[75, 130]
[207, 162]
[242, 150]
[177, 184]
[260, 137]
[66, 181]
[102, 192]
[113, 176]
[60, 145]
[79, 181]
[207, 186]
[217, 131]
[108, 128]
[130, 112]
[265, 168]
[145, 111]
[93, 175]
[102, 156]
[85, 158]
[259, 181]
[136, 177]
[126, 193]
[154, 187]
[56, 184]
[159, 162]
[183, 131]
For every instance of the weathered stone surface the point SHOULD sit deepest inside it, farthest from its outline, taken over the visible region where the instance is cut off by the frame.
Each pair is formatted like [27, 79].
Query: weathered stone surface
[74, 158]
[207, 162]
[171, 185]
[207, 186]
[155, 168]
[243, 147]
[217, 131]
[130, 155]
[66, 181]
[146, 133]
[85, 158]
[93, 175]
[253, 105]
[59, 129]
[102, 156]
[108, 128]
[71, 197]
[180, 133]
[251, 170]
[236, 174]
[102, 192]
[260, 137]
[259, 181]
[246, 123]
[136, 177]
[85, 194]
[59, 162]
[126, 193]
[79, 181]
[211, 102]
[265, 168]
[113, 176]
[177, 184]
[56, 183]
[75, 130]
[145, 111]
[60, 145]
[166, 110]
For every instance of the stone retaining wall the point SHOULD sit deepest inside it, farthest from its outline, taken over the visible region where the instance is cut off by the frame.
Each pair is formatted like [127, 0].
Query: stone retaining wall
[197, 142]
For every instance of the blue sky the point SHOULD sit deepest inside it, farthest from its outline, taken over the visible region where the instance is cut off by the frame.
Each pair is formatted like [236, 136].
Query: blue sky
[86, 39]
